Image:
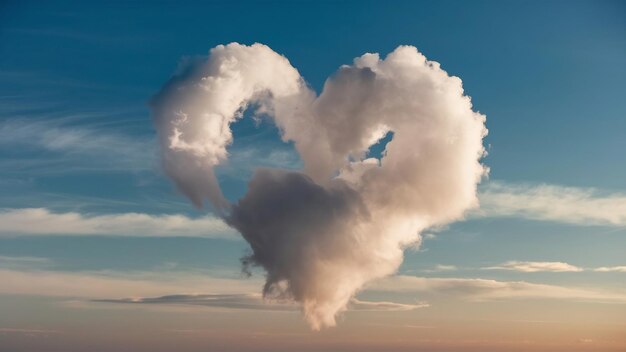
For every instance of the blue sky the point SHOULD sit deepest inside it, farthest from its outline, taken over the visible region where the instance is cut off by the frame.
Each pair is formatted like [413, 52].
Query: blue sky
[76, 136]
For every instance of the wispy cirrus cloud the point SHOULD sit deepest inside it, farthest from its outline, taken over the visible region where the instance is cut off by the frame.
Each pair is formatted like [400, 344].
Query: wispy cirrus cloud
[72, 147]
[41, 221]
[571, 205]
[531, 267]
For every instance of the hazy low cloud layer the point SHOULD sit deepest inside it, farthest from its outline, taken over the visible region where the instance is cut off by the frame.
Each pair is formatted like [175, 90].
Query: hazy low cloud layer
[486, 289]
[112, 285]
[323, 233]
[256, 302]
[580, 206]
[196, 288]
[41, 221]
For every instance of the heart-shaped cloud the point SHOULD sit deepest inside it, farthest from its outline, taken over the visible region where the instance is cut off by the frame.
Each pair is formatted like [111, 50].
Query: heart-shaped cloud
[323, 233]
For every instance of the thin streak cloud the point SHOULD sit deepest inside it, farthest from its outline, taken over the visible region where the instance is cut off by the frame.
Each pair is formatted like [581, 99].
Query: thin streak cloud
[604, 269]
[531, 267]
[255, 301]
[29, 332]
[490, 290]
[43, 222]
[112, 284]
[570, 205]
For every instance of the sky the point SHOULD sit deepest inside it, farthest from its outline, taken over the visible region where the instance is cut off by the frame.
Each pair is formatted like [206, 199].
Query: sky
[100, 251]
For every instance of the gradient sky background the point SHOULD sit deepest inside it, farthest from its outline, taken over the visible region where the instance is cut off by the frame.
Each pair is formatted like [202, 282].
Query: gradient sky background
[540, 267]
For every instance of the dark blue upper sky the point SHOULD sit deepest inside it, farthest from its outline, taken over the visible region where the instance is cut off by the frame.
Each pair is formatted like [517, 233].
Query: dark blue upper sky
[541, 72]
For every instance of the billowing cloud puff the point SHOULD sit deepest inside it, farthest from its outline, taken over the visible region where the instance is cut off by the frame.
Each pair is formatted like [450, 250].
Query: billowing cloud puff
[323, 233]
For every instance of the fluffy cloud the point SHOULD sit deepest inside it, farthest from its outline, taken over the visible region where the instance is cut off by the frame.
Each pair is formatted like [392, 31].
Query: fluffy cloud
[531, 267]
[581, 206]
[40, 221]
[194, 110]
[323, 233]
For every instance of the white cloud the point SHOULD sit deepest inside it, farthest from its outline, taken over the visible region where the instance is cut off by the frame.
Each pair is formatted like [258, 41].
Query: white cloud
[486, 289]
[324, 232]
[581, 206]
[621, 269]
[41, 221]
[531, 267]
